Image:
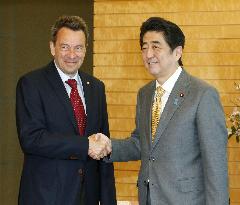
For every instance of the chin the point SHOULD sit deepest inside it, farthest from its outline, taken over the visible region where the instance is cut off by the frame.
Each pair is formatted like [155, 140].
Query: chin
[153, 71]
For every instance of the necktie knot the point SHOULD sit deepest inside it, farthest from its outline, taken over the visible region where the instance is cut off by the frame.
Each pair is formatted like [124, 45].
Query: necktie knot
[160, 91]
[72, 83]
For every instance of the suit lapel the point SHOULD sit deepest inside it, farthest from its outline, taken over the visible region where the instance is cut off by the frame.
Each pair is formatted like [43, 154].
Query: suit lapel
[61, 93]
[87, 86]
[147, 104]
[176, 98]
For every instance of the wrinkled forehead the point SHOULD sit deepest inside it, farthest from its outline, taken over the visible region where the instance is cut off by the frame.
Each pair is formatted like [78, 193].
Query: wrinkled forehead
[71, 37]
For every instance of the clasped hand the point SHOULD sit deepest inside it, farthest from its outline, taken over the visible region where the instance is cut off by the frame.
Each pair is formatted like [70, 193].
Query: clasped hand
[99, 146]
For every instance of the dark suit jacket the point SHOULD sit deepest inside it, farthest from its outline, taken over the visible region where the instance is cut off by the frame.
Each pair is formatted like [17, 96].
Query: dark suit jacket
[56, 163]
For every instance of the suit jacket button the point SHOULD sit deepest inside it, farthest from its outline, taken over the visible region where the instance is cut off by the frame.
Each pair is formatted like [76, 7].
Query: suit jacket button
[146, 182]
[73, 157]
[80, 172]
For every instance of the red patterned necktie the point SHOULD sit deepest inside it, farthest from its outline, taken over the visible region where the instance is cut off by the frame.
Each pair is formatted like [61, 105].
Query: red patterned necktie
[77, 105]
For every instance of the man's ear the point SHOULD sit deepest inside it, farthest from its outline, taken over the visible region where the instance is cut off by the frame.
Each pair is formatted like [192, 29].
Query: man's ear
[52, 48]
[178, 52]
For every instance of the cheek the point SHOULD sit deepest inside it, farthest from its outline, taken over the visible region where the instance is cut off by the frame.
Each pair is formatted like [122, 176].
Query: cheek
[59, 55]
[64, 57]
[144, 58]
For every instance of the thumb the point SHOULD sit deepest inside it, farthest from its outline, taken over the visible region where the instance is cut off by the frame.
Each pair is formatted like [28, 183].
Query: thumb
[97, 136]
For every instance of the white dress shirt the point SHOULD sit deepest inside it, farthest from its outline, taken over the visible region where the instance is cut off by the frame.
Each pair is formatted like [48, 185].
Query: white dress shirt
[168, 86]
[65, 77]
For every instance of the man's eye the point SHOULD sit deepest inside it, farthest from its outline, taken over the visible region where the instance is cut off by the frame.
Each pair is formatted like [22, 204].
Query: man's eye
[155, 47]
[64, 47]
[79, 48]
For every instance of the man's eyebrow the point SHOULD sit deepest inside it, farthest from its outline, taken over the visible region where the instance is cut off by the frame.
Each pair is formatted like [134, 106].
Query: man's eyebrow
[157, 42]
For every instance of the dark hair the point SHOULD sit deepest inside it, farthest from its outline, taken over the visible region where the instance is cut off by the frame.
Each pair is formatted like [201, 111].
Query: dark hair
[171, 32]
[74, 23]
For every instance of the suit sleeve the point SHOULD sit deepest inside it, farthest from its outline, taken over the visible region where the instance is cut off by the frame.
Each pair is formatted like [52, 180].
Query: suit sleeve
[107, 181]
[34, 132]
[213, 144]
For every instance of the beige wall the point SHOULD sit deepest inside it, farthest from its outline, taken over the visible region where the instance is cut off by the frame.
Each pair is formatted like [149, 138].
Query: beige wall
[212, 52]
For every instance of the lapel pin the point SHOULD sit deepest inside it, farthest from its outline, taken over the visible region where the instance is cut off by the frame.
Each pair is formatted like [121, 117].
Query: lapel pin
[175, 101]
[181, 95]
[88, 82]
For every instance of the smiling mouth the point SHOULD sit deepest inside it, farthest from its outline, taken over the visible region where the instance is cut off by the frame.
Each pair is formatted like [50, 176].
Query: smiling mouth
[69, 62]
[151, 63]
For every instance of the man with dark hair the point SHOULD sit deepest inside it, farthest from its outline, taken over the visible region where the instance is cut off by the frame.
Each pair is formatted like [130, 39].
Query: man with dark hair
[180, 135]
[172, 34]
[58, 111]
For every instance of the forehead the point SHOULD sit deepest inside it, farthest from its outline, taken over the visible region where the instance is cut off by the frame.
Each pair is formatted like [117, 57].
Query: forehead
[66, 35]
[153, 37]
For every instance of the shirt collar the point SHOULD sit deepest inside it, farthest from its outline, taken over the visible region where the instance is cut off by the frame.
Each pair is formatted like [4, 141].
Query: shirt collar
[65, 77]
[169, 84]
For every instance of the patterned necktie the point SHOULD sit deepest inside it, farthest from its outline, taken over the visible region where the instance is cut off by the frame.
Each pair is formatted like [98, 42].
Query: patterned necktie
[156, 109]
[77, 105]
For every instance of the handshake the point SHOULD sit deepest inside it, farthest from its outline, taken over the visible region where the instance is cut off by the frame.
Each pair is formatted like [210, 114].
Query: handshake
[99, 146]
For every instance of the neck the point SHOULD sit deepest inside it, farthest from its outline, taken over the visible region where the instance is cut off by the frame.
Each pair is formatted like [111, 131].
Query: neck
[163, 77]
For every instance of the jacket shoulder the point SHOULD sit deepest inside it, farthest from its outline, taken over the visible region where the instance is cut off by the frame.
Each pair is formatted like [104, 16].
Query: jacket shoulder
[90, 78]
[37, 73]
[147, 87]
[199, 84]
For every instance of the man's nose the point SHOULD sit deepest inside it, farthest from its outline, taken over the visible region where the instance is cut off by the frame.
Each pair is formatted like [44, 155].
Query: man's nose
[149, 53]
[72, 53]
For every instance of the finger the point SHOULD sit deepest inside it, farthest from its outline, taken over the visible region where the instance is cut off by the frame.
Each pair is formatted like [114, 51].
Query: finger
[104, 153]
[97, 157]
[109, 149]
[92, 155]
